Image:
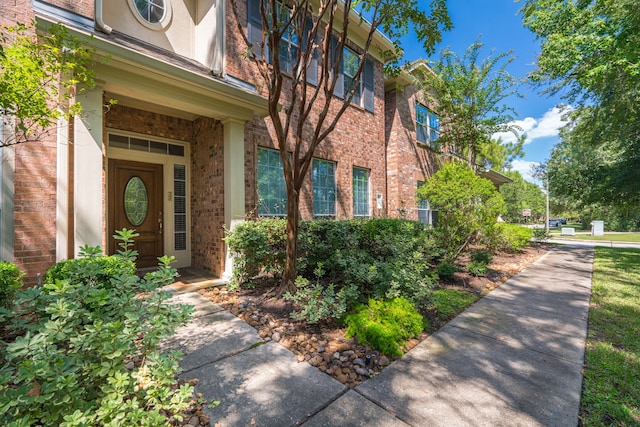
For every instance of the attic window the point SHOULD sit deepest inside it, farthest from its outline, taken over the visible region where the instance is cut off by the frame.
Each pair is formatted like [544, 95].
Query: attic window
[153, 14]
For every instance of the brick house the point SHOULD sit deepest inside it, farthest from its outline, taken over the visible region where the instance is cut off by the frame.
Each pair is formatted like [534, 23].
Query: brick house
[188, 150]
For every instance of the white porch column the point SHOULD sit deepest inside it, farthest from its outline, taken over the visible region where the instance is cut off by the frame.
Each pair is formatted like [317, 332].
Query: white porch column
[88, 169]
[234, 187]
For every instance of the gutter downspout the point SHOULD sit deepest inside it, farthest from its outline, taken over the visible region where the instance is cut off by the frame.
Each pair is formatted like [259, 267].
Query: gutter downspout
[99, 23]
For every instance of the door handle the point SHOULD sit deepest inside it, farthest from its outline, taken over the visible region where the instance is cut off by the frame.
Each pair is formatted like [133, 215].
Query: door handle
[160, 222]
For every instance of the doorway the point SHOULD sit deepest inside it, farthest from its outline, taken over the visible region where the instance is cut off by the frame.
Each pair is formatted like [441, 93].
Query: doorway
[136, 203]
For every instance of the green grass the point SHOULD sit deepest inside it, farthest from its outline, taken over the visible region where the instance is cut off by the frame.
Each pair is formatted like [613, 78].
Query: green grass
[611, 391]
[608, 237]
[448, 303]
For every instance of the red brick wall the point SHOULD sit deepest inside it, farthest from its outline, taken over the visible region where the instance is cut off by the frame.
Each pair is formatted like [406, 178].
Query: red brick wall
[12, 11]
[148, 123]
[81, 7]
[408, 162]
[34, 182]
[207, 196]
[358, 139]
[35, 206]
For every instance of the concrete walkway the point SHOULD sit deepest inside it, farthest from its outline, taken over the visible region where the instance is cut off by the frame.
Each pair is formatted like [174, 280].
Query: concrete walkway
[512, 359]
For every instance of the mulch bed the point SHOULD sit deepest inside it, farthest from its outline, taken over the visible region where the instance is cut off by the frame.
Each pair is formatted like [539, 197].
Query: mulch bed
[324, 345]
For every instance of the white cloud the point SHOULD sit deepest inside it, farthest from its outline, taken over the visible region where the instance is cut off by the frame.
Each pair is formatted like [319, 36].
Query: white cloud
[526, 169]
[548, 125]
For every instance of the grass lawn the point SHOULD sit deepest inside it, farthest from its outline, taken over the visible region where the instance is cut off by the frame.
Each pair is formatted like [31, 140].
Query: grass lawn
[611, 391]
[608, 237]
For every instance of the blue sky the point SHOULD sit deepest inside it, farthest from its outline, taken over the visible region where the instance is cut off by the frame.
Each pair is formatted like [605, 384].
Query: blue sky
[501, 30]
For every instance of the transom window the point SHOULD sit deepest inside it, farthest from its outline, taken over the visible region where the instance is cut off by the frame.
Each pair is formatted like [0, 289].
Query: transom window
[153, 11]
[427, 125]
[360, 192]
[272, 190]
[324, 188]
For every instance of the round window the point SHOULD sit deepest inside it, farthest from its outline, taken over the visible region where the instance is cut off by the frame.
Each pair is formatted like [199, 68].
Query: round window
[136, 201]
[152, 11]
[153, 14]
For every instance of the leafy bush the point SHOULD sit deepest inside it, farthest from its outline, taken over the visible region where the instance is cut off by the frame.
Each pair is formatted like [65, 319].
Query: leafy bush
[541, 235]
[477, 268]
[385, 324]
[87, 350]
[257, 246]
[321, 303]
[482, 256]
[446, 270]
[10, 282]
[381, 257]
[467, 205]
[448, 303]
[508, 237]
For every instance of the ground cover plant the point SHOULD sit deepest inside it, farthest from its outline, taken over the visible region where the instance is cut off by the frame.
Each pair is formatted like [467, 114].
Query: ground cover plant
[611, 391]
[85, 349]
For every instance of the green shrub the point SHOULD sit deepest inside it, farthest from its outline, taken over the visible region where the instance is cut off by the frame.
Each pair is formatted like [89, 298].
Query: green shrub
[477, 268]
[446, 270]
[381, 257]
[507, 237]
[257, 247]
[96, 269]
[87, 350]
[318, 302]
[481, 255]
[385, 325]
[10, 282]
[541, 235]
[448, 303]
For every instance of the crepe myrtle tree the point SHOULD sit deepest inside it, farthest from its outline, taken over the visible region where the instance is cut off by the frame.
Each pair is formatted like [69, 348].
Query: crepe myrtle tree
[297, 48]
[41, 72]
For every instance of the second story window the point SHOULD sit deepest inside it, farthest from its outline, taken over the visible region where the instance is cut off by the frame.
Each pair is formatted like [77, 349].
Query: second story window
[350, 64]
[289, 42]
[427, 125]
[151, 10]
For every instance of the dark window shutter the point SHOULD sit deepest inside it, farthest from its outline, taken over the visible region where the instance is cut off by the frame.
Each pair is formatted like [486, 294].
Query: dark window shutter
[339, 87]
[312, 71]
[254, 26]
[369, 97]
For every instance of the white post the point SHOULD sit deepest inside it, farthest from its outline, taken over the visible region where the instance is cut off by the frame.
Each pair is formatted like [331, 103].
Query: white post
[234, 188]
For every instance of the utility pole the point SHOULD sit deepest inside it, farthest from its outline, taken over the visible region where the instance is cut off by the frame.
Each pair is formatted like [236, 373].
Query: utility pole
[547, 203]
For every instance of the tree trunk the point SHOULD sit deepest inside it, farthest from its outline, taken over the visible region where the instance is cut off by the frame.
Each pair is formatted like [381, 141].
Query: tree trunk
[291, 262]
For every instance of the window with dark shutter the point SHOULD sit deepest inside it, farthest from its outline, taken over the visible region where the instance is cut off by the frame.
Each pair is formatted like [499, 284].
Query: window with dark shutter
[254, 26]
[369, 98]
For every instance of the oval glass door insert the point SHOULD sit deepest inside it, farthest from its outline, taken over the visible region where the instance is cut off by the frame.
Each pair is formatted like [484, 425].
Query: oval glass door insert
[136, 201]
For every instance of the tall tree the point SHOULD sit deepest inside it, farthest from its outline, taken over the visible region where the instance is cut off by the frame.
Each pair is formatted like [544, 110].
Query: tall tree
[519, 195]
[40, 74]
[302, 113]
[590, 54]
[469, 95]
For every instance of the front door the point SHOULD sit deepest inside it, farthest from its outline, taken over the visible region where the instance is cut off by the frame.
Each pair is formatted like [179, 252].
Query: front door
[135, 203]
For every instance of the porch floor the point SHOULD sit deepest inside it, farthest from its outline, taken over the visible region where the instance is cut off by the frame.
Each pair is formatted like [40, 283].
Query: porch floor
[191, 279]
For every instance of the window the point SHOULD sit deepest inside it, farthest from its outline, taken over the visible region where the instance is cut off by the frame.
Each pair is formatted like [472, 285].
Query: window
[360, 192]
[350, 65]
[423, 208]
[180, 207]
[363, 95]
[151, 10]
[289, 43]
[272, 190]
[324, 188]
[427, 125]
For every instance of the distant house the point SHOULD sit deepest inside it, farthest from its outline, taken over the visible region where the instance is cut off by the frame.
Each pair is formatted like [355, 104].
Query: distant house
[188, 150]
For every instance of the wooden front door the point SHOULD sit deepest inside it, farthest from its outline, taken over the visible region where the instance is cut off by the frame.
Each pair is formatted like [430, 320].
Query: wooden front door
[135, 203]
